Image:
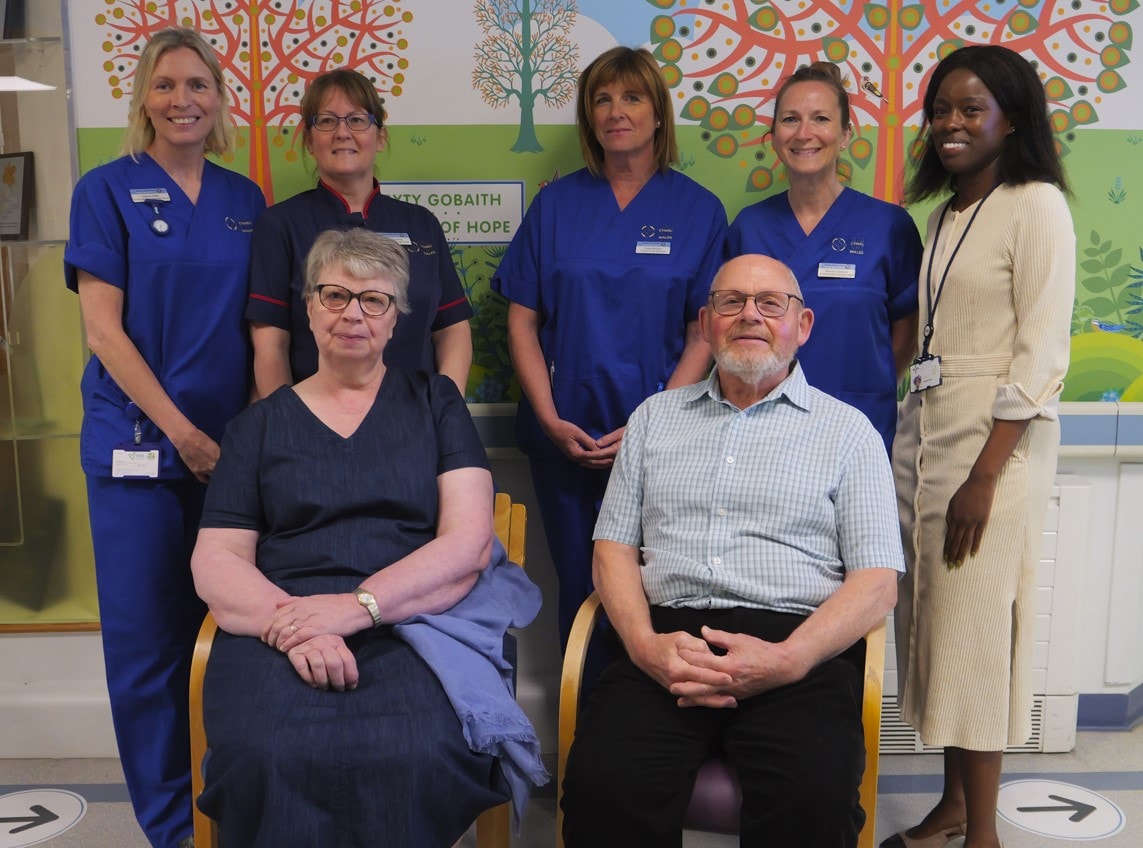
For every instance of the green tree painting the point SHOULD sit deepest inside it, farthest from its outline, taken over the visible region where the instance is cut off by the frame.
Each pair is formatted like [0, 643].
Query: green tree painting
[526, 56]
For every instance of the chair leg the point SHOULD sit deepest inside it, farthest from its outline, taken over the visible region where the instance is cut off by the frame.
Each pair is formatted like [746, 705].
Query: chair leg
[492, 828]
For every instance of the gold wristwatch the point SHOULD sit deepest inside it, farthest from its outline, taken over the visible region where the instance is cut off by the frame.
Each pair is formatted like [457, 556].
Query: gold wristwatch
[366, 599]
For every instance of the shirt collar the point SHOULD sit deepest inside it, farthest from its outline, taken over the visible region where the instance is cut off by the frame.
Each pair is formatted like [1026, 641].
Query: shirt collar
[794, 389]
[339, 203]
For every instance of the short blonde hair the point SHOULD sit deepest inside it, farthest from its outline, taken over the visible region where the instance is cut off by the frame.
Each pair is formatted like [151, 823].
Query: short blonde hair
[140, 131]
[633, 67]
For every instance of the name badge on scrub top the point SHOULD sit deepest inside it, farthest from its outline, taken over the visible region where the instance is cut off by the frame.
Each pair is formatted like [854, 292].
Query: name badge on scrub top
[150, 195]
[663, 248]
[401, 238]
[135, 461]
[837, 270]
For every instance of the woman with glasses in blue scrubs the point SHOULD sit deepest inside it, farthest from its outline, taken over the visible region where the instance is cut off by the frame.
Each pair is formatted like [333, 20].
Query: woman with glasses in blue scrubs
[605, 277]
[159, 253]
[343, 130]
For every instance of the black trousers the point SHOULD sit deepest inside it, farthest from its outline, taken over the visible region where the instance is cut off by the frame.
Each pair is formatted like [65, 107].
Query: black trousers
[799, 750]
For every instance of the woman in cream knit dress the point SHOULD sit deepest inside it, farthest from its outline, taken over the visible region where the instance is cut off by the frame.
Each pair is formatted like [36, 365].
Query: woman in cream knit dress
[975, 452]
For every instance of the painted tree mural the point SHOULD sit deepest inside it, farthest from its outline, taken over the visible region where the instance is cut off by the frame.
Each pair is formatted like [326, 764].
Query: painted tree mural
[527, 56]
[269, 50]
[725, 58]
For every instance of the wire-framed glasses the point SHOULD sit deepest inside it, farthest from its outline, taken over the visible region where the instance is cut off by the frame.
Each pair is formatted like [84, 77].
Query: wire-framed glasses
[770, 304]
[336, 298]
[326, 122]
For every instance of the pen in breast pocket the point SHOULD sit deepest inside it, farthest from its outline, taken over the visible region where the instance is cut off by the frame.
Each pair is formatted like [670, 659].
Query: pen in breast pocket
[552, 372]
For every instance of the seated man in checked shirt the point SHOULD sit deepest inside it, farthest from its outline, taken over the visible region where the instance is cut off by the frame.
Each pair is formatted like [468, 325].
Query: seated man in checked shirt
[747, 541]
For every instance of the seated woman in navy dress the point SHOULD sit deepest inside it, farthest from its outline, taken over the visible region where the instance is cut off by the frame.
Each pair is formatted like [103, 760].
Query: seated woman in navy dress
[358, 694]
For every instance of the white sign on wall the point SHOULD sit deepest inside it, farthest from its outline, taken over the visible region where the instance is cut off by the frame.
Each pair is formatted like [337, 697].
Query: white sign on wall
[472, 212]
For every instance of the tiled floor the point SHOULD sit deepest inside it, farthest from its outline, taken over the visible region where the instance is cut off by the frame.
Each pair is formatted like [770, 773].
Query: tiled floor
[1108, 764]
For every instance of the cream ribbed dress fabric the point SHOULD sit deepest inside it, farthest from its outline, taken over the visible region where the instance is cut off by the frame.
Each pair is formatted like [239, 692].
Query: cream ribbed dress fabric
[965, 635]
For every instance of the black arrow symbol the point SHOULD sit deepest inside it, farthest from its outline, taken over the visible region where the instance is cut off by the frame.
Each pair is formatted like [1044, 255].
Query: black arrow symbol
[42, 816]
[1079, 810]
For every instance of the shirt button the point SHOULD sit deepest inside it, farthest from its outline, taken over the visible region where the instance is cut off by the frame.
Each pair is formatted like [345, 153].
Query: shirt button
[730, 460]
[722, 510]
[716, 561]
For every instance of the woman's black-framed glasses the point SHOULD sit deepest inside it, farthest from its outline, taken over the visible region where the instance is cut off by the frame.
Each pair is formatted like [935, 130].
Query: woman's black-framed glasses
[358, 122]
[336, 298]
[770, 304]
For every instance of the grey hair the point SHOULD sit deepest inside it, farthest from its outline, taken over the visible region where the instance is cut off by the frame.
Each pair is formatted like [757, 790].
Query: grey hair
[363, 255]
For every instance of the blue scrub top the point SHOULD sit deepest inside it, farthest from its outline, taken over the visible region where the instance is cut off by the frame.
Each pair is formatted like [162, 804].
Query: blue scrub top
[183, 296]
[615, 290]
[289, 229]
[850, 352]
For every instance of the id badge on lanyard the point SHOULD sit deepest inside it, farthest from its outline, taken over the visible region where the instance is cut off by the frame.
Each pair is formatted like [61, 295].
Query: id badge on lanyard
[925, 371]
[137, 459]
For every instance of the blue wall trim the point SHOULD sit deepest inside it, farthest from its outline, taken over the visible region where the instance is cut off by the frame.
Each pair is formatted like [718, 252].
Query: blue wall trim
[1110, 712]
[1089, 430]
[1130, 430]
[1107, 428]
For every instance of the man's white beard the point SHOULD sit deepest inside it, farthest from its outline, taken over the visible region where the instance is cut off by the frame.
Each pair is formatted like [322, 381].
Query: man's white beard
[751, 366]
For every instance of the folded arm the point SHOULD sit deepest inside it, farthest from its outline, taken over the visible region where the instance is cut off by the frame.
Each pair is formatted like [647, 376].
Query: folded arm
[429, 580]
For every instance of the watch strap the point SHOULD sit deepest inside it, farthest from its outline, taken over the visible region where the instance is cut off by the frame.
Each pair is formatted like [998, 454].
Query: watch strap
[367, 600]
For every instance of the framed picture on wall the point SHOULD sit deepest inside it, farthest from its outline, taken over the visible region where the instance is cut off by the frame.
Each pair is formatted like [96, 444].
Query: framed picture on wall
[16, 172]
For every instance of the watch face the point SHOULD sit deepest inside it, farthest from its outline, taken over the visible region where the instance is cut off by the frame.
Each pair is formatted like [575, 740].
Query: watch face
[366, 598]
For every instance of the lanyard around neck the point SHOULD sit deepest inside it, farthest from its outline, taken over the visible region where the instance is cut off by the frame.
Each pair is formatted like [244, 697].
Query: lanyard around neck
[928, 331]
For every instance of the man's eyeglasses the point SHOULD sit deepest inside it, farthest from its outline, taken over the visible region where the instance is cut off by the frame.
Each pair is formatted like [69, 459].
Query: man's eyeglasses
[358, 121]
[337, 298]
[768, 303]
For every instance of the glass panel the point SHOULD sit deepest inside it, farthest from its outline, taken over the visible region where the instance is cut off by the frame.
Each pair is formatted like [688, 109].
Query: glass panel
[48, 576]
[46, 564]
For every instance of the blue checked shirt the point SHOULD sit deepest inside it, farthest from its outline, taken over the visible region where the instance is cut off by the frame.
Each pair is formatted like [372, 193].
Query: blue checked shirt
[766, 507]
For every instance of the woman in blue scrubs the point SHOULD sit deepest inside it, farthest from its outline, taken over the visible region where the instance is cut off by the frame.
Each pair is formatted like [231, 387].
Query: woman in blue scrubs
[605, 277]
[342, 128]
[856, 257]
[159, 254]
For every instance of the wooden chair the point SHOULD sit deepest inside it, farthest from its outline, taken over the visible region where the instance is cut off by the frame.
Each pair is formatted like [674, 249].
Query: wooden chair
[716, 798]
[492, 826]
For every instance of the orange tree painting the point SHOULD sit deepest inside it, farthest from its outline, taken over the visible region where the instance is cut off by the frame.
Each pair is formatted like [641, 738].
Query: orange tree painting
[269, 50]
[526, 56]
[725, 58]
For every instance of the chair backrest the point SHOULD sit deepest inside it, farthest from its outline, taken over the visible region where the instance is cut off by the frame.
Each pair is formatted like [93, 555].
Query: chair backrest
[205, 829]
[510, 522]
